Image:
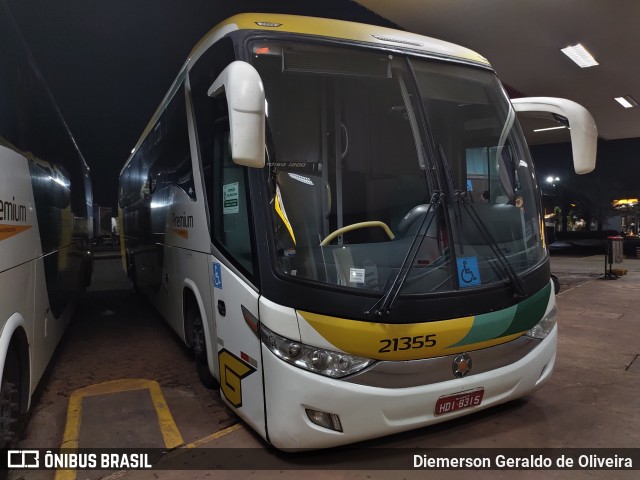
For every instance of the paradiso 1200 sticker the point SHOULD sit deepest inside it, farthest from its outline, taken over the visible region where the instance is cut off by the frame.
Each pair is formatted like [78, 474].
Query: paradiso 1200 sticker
[232, 371]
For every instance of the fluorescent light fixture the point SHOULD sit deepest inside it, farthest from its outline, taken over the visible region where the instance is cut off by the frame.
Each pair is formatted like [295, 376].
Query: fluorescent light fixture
[580, 56]
[550, 128]
[626, 101]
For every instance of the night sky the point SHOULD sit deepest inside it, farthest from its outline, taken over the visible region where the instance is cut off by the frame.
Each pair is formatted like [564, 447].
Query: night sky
[109, 63]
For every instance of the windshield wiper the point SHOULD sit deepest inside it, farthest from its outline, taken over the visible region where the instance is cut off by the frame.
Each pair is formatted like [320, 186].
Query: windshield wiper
[520, 289]
[384, 304]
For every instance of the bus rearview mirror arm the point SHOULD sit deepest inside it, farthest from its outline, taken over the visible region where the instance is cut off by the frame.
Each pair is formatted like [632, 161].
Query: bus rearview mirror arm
[583, 130]
[242, 85]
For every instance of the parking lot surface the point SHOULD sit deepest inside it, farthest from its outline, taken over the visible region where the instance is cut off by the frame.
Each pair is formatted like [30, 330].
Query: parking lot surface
[591, 400]
[116, 337]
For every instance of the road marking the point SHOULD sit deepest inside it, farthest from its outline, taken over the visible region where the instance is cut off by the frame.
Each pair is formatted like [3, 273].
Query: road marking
[170, 433]
[213, 436]
[121, 474]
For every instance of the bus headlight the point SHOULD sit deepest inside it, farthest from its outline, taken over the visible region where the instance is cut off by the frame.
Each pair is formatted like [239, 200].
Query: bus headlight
[544, 326]
[314, 359]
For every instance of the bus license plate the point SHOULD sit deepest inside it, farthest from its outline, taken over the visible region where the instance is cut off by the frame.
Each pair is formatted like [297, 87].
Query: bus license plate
[459, 401]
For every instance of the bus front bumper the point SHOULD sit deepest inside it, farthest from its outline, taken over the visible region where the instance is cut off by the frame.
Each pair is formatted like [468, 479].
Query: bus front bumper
[367, 412]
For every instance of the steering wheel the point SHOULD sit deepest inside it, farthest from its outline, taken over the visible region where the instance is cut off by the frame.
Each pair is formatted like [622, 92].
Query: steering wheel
[413, 214]
[356, 226]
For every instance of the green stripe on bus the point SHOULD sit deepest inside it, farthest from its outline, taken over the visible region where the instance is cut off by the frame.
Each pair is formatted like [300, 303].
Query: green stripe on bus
[530, 312]
[512, 320]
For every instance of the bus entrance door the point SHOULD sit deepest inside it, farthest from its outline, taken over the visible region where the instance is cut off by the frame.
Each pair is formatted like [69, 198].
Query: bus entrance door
[235, 307]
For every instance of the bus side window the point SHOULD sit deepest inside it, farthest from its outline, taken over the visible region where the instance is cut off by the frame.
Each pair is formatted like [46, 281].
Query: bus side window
[230, 210]
[168, 156]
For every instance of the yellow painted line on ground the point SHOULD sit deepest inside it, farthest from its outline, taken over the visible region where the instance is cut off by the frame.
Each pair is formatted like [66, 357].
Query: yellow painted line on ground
[213, 436]
[170, 433]
[72, 428]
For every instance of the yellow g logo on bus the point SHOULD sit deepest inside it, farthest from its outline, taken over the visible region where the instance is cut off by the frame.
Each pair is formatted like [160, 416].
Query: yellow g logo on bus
[232, 371]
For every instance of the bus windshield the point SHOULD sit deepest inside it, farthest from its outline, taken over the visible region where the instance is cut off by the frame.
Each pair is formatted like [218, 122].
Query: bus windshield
[352, 186]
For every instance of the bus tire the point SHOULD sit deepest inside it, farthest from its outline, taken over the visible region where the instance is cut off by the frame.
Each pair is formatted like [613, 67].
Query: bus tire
[199, 347]
[10, 401]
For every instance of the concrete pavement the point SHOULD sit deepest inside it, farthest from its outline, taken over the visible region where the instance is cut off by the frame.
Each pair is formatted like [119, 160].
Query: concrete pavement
[591, 400]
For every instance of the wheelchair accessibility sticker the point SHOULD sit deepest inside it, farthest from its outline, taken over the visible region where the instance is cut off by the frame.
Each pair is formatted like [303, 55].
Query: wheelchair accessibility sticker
[217, 276]
[468, 271]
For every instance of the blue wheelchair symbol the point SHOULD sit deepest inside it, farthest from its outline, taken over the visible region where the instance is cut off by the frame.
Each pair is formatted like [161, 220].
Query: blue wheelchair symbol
[217, 276]
[468, 271]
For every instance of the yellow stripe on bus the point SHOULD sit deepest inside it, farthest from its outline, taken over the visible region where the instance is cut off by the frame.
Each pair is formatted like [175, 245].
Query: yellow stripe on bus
[405, 341]
[8, 231]
[283, 215]
[385, 341]
[344, 30]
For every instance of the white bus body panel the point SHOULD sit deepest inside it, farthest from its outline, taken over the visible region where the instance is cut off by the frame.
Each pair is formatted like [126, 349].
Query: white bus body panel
[20, 240]
[24, 300]
[19, 246]
[369, 412]
[184, 263]
[238, 347]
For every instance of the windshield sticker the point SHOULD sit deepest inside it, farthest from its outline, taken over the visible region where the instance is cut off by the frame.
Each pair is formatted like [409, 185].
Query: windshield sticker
[371, 274]
[468, 271]
[356, 275]
[230, 197]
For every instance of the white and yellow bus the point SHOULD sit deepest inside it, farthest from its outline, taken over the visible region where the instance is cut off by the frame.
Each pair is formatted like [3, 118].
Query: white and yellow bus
[45, 227]
[343, 222]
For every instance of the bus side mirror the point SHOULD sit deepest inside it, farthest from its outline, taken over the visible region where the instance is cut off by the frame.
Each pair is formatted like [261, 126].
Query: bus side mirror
[583, 130]
[242, 85]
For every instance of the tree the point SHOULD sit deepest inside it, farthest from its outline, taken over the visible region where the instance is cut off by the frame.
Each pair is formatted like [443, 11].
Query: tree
[595, 193]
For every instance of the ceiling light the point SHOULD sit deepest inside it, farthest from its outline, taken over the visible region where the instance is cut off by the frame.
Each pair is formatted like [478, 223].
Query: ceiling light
[550, 128]
[580, 56]
[626, 101]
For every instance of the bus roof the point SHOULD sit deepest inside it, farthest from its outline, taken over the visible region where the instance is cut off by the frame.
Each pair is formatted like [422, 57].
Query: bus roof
[337, 29]
[323, 28]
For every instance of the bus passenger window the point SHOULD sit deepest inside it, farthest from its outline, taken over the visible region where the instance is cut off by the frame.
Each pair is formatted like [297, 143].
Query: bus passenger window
[230, 210]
